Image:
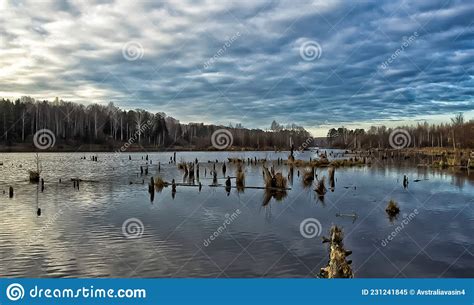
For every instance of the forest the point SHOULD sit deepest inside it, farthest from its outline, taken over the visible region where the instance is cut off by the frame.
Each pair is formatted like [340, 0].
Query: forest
[107, 127]
[458, 133]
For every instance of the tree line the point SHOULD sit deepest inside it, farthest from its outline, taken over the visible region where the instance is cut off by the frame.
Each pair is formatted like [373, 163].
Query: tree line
[458, 133]
[75, 124]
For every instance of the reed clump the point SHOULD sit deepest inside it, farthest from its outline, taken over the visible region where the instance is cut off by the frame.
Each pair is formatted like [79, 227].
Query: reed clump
[274, 180]
[236, 160]
[182, 164]
[308, 177]
[313, 163]
[321, 187]
[160, 183]
[275, 186]
[348, 162]
[324, 162]
[392, 208]
[240, 178]
[470, 163]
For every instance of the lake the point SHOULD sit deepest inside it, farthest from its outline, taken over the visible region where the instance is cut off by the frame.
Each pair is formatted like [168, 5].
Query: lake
[109, 227]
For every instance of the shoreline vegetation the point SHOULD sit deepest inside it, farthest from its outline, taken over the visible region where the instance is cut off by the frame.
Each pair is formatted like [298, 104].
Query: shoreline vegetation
[439, 157]
[75, 127]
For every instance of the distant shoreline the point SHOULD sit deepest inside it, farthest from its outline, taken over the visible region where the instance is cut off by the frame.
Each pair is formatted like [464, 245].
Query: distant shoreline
[98, 148]
[94, 148]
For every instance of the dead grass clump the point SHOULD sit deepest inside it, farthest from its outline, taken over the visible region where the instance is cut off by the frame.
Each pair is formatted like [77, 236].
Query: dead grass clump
[182, 165]
[470, 163]
[275, 186]
[273, 180]
[308, 177]
[236, 160]
[273, 193]
[350, 162]
[392, 208]
[160, 183]
[312, 163]
[321, 187]
[240, 177]
[280, 181]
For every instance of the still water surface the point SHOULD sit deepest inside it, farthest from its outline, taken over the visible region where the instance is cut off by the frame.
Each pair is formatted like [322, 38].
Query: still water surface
[79, 232]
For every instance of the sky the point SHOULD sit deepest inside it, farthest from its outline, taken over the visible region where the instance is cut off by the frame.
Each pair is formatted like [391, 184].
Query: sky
[316, 63]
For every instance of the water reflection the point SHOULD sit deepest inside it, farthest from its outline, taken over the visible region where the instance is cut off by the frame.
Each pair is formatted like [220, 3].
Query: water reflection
[70, 231]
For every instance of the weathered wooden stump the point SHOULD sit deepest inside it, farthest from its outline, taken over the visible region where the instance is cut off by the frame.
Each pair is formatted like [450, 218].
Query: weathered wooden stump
[338, 265]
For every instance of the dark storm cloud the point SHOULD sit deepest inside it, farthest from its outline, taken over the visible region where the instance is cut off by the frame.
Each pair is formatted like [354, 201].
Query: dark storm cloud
[241, 62]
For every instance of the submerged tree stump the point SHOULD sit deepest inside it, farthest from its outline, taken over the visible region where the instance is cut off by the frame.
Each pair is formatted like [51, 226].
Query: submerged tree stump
[332, 182]
[34, 176]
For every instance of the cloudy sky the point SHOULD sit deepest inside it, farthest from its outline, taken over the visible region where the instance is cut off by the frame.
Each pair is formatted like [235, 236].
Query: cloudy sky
[317, 63]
